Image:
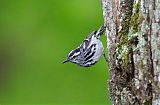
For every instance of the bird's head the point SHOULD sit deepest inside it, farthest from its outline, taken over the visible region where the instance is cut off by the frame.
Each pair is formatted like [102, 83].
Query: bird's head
[73, 56]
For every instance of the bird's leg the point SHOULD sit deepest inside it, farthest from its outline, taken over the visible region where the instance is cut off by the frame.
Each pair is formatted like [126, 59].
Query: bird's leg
[105, 57]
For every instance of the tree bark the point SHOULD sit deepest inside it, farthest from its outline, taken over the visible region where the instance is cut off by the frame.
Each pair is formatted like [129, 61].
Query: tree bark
[133, 40]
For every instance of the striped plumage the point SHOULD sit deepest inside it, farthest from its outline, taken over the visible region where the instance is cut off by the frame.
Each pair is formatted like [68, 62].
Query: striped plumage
[89, 51]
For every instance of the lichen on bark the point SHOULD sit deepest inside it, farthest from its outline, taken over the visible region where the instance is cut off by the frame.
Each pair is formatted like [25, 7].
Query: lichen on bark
[133, 40]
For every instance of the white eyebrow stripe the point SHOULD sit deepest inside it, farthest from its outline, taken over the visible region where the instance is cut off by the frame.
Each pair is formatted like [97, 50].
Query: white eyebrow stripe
[77, 53]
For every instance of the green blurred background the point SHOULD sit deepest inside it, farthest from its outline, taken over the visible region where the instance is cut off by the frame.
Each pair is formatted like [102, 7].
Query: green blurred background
[35, 37]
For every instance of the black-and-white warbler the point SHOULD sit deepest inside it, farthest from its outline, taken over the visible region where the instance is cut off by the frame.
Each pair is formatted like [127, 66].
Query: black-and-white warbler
[89, 51]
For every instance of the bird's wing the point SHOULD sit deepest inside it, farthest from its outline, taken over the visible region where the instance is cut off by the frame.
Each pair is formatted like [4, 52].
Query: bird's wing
[85, 47]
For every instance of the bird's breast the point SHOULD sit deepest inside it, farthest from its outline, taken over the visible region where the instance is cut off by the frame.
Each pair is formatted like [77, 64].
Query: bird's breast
[99, 49]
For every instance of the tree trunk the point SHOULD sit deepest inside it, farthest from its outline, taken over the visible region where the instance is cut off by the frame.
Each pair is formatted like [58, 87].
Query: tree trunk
[133, 40]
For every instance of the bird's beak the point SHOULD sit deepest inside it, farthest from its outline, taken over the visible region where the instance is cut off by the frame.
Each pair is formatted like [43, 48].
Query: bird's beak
[66, 61]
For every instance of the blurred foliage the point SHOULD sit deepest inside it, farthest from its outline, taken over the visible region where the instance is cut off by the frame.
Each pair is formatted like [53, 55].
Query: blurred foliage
[35, 37]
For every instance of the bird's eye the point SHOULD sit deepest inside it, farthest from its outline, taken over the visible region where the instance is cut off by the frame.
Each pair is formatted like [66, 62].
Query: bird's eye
[74, 57]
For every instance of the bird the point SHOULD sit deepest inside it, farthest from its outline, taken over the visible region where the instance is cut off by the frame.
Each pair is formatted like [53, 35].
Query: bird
[89, 51]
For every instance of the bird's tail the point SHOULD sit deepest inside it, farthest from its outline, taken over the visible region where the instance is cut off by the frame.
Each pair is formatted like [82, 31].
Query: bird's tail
[101, 31]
